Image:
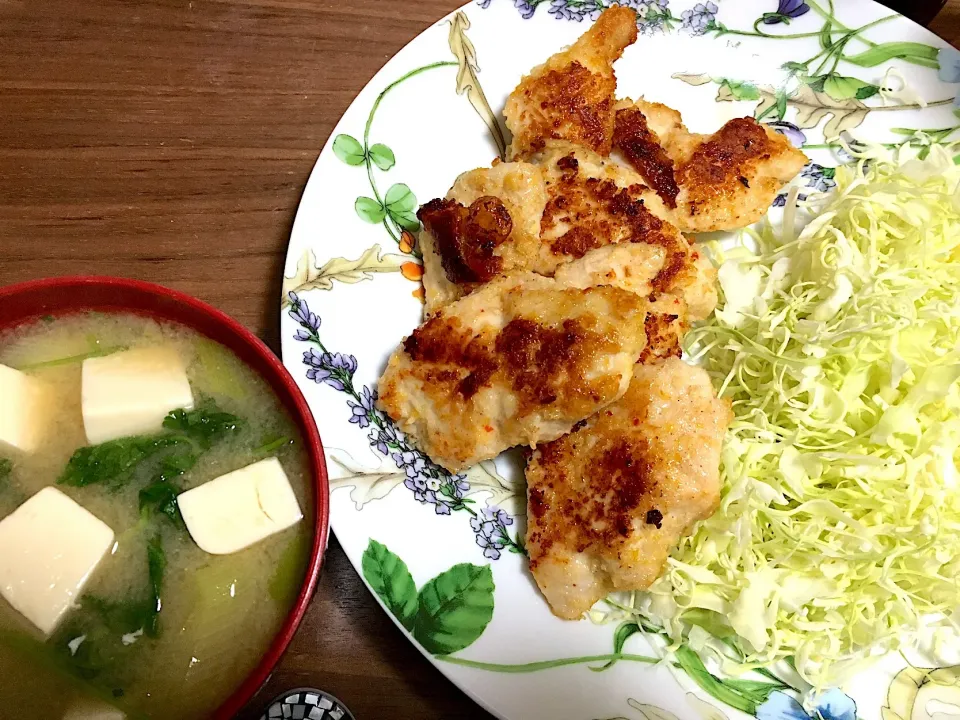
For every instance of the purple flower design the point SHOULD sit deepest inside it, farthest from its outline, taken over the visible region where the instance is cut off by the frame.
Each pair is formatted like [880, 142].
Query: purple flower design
[318, 371]
[787, 10]
[490, 527]
[363, 409]
[651, 15]
[334, 369]
[301, 313]
[830, 705]
[484, 3]
[790, 131]
[575, 9]
[781, 200]
[949, 59]
[385, 437]
[818, 177]
[700, 19]
[525, 7]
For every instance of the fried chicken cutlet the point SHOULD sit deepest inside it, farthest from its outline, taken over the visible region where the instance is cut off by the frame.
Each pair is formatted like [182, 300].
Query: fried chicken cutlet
[517, 362]
[572, 95]
[488, 225]
[700, 183]
[608, 502]
[703, 183]
[559, 217]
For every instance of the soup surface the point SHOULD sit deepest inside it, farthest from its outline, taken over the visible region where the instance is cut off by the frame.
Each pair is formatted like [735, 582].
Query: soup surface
[217, 613]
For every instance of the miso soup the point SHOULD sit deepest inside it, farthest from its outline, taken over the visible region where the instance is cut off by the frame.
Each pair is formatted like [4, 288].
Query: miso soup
[162, 628]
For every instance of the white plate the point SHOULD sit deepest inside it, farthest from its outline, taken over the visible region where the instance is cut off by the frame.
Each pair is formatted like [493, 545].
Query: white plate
[403, 141]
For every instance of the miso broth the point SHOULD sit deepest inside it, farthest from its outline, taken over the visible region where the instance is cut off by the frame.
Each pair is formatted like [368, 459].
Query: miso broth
[218, 613]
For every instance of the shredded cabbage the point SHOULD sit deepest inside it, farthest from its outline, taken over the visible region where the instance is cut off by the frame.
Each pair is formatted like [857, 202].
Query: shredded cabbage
[839, 349]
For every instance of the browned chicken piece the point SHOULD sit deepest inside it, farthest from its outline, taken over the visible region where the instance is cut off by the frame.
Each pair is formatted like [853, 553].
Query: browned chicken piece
[517, 362]
[608, 502]
[488, 225]
[557, 221]
[593, 202]
[572, 95]
[703, 183]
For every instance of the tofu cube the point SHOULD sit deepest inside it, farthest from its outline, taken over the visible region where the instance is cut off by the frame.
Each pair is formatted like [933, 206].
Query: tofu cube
[130, 392]
[49, 548]
[25, 410]
[93, 710]
[240, 508]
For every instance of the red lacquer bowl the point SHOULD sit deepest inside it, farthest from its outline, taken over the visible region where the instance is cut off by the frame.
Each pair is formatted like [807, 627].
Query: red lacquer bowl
[60, 296]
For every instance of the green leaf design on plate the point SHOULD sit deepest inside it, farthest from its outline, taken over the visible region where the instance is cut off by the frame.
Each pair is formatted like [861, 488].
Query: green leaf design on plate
[382, 156]
[454, 608]
[370, 210]
[406, 220]
[840, 87]
[826, 36]
[740, 90]
[401, 204]
[744, 695]
[348, 149]
[623, 632]
[916, 53]
[389, 577]
[400, 198]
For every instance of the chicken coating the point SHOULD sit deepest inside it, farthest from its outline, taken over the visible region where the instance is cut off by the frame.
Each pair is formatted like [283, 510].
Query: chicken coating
[486, 226]
[517, 362]
[703, 183]
[593, 202]
[572, 95]
[608, 502]
[466, 239]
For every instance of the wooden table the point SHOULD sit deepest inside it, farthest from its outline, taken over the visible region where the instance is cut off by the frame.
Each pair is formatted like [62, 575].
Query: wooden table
[170, 141]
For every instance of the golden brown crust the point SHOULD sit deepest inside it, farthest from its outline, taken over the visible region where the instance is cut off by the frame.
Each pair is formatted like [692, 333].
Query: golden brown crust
[607, 502]
[598, 212]
[663, 340]
[723, 182]
[518, 361]
[642, 149]
[465, 237]
[571, 96]
[720, 167]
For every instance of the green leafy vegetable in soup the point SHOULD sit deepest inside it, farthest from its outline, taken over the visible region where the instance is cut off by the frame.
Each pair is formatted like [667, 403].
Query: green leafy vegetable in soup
[114, 460]
[203, 426]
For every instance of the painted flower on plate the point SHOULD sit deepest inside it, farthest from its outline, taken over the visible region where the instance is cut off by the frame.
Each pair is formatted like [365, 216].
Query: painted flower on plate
[525, 7]
[790, 131]
[819, 178]
[574, 9]
[787, 10]
[700, 18]
[306, 319]
[651, 15]
[829, 705]
[949, 59]
[363, 410]
[490, 527]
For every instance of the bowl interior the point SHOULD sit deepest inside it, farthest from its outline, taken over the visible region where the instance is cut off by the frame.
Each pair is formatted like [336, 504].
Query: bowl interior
[59, 296]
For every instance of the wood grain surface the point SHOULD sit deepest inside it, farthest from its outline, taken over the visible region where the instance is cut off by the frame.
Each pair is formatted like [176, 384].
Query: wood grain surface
[170, 141]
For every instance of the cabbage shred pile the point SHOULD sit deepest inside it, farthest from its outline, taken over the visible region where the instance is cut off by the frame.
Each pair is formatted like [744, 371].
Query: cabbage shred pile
[839, 527]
